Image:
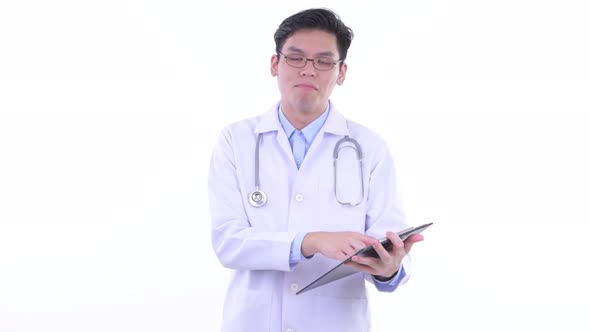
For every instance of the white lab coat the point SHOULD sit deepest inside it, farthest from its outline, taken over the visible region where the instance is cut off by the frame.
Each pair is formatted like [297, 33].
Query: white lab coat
[255, 242]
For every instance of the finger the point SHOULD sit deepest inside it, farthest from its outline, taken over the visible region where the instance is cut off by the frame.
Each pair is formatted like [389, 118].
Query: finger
[358, 245]
[348, 252]
[360, 260]
[345, 254]
[382, 252]
[409, 242]
[352, 247]
[389, 261]
[366, 264]
[366, 239]
[361, 267]
[397, 243]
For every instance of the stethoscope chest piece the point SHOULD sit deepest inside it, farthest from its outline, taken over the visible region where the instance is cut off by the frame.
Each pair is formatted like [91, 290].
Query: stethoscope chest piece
[257, 198]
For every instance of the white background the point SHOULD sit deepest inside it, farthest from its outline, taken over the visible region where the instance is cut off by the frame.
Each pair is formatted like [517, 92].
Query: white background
[109, 111]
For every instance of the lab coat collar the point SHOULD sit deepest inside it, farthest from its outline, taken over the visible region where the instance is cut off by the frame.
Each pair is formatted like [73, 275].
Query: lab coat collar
[335, 123]
[268, 121]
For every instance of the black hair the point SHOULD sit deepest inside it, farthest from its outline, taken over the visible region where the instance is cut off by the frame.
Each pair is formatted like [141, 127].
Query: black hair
[315, 18]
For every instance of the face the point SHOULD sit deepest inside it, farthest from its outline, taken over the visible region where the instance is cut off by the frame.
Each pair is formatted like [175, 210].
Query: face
[305, 91]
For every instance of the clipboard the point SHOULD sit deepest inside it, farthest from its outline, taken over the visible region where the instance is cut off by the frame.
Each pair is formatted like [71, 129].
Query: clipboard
[342, 270]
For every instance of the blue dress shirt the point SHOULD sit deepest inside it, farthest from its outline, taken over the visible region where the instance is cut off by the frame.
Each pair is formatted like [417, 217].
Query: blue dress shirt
[300, 140]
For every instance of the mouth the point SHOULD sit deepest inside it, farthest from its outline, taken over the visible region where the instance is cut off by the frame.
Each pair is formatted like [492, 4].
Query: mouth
[306, 86]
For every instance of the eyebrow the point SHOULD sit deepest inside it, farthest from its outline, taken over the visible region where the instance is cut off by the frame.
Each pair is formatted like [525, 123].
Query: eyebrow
[298, 50]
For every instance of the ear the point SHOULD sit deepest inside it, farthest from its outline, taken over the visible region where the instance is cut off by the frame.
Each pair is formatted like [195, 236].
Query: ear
[274, 65]
[342, 74]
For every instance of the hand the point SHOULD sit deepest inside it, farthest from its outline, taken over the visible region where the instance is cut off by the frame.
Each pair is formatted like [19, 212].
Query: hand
[389, 262]
[336, 245]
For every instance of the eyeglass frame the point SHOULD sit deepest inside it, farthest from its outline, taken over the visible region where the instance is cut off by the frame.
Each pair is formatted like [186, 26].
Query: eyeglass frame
[313, 61]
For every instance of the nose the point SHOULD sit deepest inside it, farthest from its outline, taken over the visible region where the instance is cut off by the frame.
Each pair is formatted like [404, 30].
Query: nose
[308, 69]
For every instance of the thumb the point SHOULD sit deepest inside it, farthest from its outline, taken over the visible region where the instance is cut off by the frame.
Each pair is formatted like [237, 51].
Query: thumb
[409, 242]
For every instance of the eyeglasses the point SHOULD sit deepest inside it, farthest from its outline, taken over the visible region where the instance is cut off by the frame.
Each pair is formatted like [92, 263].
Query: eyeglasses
[299, 61]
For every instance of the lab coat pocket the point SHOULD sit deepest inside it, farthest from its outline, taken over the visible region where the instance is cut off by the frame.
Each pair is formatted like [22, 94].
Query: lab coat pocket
[247, 310]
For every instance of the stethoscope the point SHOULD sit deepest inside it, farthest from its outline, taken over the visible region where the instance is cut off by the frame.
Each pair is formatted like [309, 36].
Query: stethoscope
[258, 197]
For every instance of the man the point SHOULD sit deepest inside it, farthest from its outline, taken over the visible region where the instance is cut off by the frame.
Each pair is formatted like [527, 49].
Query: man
[290, 198]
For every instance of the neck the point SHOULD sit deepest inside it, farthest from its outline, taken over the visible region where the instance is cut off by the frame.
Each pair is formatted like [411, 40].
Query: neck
[301, 117]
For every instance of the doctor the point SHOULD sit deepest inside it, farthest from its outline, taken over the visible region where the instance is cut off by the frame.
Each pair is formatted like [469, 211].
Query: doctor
[299, 188]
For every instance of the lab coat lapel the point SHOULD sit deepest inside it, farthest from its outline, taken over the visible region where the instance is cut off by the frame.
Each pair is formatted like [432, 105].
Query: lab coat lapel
[268, 122]
[335, 125]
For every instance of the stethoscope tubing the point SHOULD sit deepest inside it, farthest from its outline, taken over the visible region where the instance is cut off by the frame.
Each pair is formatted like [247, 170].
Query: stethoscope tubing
[258, 198]
[359, 155]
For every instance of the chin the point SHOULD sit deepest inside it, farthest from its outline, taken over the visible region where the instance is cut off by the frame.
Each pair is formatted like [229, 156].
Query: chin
[307, 106]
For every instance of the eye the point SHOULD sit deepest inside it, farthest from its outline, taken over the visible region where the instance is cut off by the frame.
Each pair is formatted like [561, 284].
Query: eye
[297, 58]
[325, 61]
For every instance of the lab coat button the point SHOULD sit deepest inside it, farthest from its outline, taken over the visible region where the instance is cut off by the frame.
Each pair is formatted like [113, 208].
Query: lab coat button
[294, 287]
[289, 330]
[299, 197]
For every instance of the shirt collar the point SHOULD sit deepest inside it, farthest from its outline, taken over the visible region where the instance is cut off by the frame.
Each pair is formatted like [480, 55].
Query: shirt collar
[310, 131]
[335, 123]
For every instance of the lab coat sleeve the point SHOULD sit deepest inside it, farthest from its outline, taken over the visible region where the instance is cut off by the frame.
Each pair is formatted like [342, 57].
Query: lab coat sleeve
[236, 242]
[384, 208]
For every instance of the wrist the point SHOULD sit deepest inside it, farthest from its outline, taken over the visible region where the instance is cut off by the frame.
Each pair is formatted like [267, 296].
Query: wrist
[385, 279]
[309, 244]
